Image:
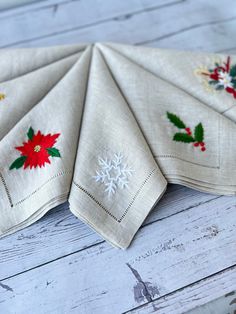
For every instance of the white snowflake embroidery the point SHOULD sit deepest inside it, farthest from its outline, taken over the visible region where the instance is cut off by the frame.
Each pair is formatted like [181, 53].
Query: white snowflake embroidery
[113, 173]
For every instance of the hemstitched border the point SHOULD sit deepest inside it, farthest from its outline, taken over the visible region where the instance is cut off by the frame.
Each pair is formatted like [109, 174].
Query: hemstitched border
[45, 183]
[127, 208]
[31, 194]
[185, 160]
[95, 200]
[6, 190]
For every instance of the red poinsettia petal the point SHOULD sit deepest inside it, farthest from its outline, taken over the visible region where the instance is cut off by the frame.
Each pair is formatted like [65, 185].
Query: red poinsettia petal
[27, 163]
[227, 64]
[37, 138]
[231, 91]
[214, 76]
[49, 140]
[25, 149]
[39, 158]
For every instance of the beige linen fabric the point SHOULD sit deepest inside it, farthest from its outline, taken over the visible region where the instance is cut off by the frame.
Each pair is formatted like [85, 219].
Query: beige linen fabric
[109, 102]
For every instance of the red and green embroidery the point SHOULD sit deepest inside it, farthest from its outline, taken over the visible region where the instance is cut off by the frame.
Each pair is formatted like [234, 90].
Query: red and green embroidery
[187, 136]
[36, 151]
[223, 77]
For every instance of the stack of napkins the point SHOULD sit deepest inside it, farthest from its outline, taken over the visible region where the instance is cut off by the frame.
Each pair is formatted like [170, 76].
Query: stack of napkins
[106, 127]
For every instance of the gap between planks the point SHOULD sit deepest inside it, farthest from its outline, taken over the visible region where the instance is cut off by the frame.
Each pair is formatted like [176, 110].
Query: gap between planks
[167, 304]
[119, 17]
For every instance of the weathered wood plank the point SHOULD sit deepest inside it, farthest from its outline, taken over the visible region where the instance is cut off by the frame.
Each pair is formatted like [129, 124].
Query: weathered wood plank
[60, 230]
[210, 36]
[8, 4]
[172, 253]
[206, 290]
[185, 17]
[34, 6]
[63, 17]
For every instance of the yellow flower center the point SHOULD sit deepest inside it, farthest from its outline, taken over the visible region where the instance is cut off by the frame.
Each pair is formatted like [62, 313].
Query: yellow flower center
[2, 96]
[37, 148]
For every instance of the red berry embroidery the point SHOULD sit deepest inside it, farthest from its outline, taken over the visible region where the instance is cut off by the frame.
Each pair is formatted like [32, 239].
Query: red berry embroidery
[188, 130]
[223, 77]
[187, 137]
[36, 151]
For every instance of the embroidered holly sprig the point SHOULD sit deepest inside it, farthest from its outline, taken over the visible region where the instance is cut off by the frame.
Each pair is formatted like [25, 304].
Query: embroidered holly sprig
[36, 151]
[188, 136]
[223, 77]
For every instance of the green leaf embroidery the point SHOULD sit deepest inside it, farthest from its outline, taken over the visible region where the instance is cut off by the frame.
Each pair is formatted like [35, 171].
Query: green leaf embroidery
[176, 120]
[30, 133]
[54, 152]
[233, 71]
[234, 83]
[213, 82]
[199, 133]
[18, 163]
[183, 137]
[219, 87]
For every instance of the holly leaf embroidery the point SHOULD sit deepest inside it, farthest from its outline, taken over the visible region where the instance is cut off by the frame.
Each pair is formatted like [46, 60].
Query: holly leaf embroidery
[199, 133]
[54, 152]
[213, 82]
[219, 87]
[234, 83]
[183, 137]
[30, 133]
[233, 71]
[18, 163]
[176, 120]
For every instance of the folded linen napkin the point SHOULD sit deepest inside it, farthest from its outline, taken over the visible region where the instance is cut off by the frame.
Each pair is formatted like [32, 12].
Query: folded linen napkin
[106, 127]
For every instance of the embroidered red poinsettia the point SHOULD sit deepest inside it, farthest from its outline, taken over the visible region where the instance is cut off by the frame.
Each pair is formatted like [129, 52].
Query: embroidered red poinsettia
[223, 77]
[36, 152]
[187, 136]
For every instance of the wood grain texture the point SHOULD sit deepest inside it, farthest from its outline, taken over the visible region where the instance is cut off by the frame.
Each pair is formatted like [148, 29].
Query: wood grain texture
[63, 18]
[220, 285]
[184, 255]
[164, 258]
[122, 25]
[63, 232]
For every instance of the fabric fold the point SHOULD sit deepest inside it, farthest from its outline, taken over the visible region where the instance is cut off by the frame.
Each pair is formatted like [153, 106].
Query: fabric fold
[152, 98]
[110, 191]
[29, 192]
[106, 126]
[26, 91]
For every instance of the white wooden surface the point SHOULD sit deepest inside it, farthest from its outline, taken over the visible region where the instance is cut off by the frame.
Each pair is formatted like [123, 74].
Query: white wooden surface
[185, 253]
